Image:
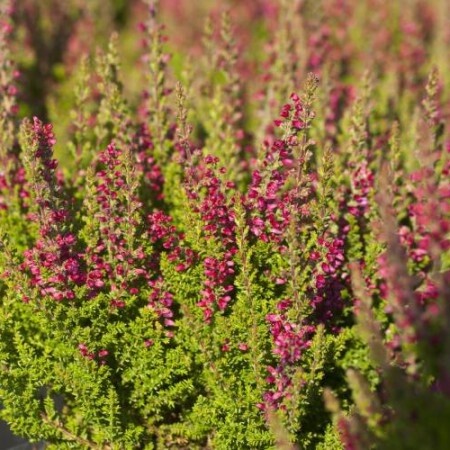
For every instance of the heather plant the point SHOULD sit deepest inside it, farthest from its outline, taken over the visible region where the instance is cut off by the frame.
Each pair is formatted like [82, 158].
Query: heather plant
[249, 254]
[411, 283]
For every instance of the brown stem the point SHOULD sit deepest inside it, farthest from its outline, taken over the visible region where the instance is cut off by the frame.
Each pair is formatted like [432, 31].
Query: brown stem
[72, 437]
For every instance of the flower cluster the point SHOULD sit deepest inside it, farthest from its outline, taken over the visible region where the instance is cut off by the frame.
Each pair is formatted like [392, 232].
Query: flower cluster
[330, 279]
[146, 163]
[362, 183]
[280, 190]
[218, 223]
[161, 302]
[8, 88]
[162, 231]
[422, 242]
[54, 263]
[101, 355]
[116, 259]
[290, 340]
[286, 203]
[11, 174]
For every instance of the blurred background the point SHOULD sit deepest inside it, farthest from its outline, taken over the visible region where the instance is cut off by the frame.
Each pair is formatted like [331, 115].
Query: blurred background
[338, 37]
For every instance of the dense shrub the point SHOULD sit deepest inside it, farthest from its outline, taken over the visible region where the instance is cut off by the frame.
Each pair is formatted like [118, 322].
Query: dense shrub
[250, 253]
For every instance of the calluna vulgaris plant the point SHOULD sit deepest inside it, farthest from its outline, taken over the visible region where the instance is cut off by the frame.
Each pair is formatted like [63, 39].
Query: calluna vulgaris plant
[243, 250]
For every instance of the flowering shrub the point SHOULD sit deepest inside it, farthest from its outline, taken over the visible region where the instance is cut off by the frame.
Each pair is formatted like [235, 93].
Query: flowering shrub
[250, 253]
